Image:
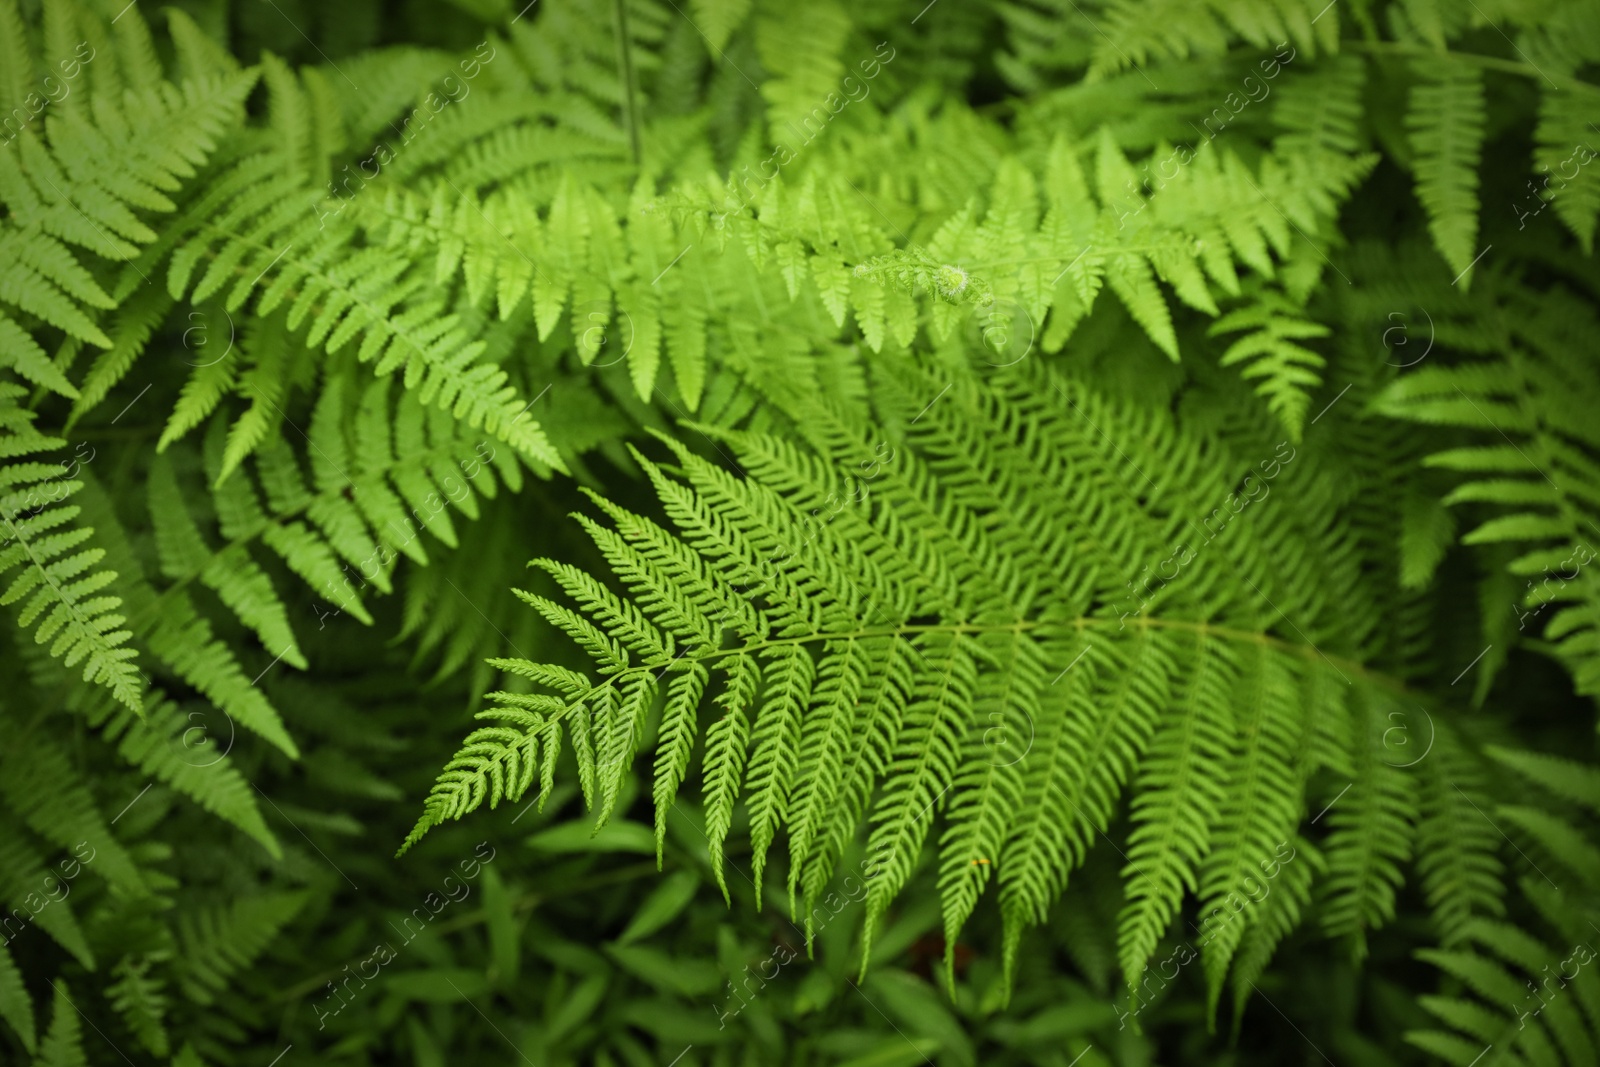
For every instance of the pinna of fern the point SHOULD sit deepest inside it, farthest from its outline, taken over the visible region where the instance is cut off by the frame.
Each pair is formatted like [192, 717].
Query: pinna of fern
[948, 644]
[1526, 993]
[1523, 388]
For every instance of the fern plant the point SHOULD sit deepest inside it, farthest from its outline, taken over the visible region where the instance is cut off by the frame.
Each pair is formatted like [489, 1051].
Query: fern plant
[1048, 469]
[879, 663]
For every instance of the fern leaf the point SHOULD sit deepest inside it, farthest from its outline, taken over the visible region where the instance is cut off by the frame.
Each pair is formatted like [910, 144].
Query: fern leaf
[137, 996]
[1288, 371]
[879, 641]
[63, 1042]
[1258, 815]
[42, 786]
[1566, 778]
[16, 1007]
[1445, 120]
[154, 743]
[215, 942]
[1369, 836]
[1456, 843]
[1180, 793]
[25, 884]
[57, 585]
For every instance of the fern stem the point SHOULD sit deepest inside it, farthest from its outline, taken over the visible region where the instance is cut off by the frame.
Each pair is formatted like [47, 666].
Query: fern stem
[85, 624]
[1102, 249]
[1075, 625]
[630, 106]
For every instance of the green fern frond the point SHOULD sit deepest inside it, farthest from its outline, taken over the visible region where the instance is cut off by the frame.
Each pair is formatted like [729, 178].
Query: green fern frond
[1259, 812]
[1288, 371]
[266, 237]
[1566, 145]
[1456, 842]
[41, 785]
[1531, 463]
[16, 1007]
[927, 594]
[215, 942]
[57, 585]
[1279, 914]
[1320, 112]
[137, 996]
[63, 1042]
[1567, 779]
[1446, 120]
[1556, 1021]
[156, 743]
[26, 885]
[718, 19]
[1141, 31]
[1370, 832]
[802, 49]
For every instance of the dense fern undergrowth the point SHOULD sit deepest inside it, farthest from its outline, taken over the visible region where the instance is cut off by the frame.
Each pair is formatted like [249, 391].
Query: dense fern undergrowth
[1062, 532]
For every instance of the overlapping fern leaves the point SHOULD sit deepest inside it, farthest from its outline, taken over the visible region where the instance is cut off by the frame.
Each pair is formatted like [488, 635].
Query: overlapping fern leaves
[951, 643]
[1424, 46]
[1528, 994]
[1525, 391]
[907, 613]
